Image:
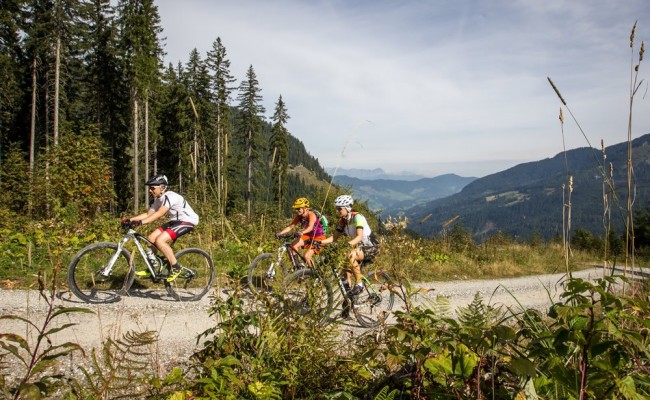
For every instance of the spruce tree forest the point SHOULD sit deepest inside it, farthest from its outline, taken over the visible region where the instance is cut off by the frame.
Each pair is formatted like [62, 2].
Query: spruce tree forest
[89, 111]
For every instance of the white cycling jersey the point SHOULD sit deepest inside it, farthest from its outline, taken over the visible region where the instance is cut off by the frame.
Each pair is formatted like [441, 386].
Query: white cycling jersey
[350, 227]
[179, 208]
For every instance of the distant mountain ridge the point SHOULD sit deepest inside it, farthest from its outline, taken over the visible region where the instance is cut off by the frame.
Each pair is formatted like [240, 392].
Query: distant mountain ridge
[392, 196]
[372, 174]
[529, 197]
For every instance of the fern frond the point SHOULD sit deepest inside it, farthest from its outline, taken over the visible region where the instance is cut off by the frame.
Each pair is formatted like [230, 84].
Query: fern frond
[121, 369]
[475, 315]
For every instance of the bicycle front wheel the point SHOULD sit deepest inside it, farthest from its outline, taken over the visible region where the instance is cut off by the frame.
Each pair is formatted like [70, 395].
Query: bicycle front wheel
[196, 276]
[266, 274]
[308, 293]
[372, 307]
[90, 278]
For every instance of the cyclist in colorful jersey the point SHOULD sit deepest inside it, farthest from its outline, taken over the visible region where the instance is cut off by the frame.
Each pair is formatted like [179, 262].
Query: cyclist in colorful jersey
[364, 244]
[311, 229]
[183, 219]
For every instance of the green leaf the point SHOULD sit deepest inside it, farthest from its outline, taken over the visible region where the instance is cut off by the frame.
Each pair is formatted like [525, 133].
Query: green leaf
[523, 367]
[60, 328]
[579, 322]
[439, 365]
[627, 387]
[66, 310]
[16, 339]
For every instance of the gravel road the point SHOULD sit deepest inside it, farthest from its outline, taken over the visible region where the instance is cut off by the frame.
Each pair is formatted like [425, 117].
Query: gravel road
[179, 324]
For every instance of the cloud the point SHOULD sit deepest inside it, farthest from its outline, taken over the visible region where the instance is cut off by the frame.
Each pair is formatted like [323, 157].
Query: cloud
[460, 84]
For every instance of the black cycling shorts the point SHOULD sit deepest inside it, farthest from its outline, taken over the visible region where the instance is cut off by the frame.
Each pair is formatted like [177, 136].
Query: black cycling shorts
[176, 229]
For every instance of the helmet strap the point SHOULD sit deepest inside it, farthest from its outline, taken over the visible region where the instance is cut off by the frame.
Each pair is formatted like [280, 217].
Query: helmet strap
[348, 216]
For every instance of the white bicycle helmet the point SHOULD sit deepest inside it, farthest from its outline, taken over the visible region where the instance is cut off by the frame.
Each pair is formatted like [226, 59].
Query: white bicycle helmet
[344, 201]
[157, 180]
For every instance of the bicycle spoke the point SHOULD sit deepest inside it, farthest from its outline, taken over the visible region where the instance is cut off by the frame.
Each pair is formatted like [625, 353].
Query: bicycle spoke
[266, 274]
[86, 274]
[373, 306]
[196, 277]
[307, 294]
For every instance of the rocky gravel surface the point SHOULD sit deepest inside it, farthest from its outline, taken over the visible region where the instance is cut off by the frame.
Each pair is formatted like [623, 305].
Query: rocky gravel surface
[178, 324]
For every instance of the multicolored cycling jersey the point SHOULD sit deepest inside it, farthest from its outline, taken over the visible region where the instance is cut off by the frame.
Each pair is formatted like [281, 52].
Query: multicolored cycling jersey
[317, 231]
[179, 209]
[350, 228]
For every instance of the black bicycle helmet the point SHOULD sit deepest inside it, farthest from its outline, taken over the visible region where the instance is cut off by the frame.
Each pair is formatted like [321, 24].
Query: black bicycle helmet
[157, 180]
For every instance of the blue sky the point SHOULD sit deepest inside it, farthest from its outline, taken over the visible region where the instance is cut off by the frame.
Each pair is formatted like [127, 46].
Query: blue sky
[430, 87]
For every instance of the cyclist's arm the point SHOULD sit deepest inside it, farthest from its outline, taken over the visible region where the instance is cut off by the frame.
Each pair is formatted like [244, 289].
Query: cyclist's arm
[140, 217]
[331, 238]
[312, 222]
[286, 230]
[152, 215]
[357, 239]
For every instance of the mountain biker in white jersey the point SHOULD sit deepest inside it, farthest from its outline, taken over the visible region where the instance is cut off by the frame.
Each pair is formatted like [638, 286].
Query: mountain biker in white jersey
[364, 244]
[183, 219]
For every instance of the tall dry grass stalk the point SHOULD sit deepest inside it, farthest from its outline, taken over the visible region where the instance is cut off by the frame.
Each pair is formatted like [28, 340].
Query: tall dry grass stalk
[566, 200]
[607, 214]
[635, 84]
[608, 183]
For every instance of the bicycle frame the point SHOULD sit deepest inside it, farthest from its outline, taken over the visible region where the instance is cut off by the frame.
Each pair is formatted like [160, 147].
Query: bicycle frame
[136, 238]
[337, 276]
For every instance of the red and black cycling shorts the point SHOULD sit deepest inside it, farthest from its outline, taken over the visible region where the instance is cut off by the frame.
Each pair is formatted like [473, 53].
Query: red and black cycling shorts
[176, 229]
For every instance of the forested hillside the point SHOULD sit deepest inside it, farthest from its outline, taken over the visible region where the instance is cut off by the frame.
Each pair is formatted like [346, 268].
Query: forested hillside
[534, 198]
[391, 196]
[88, 111]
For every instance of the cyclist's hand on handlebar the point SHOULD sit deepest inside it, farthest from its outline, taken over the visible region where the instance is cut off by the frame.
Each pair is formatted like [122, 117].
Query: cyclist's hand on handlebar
[277, 235]
[135, 223]
[125, 223]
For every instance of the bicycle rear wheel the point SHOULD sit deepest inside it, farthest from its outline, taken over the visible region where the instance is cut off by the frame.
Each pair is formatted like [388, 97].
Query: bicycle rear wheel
[196, 277]
[308, 293]
[372, 307]
[266, 274]
[85, 273]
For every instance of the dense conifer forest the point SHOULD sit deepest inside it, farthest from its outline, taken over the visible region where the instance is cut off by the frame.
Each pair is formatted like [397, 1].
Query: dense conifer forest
[89, 111]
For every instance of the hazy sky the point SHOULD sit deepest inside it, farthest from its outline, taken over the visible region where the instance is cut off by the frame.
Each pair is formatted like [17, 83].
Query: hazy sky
[430, 86]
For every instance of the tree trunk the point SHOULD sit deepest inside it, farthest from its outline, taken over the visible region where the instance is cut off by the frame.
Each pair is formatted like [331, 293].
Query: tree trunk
[249, 177]
[57, 68]
[146, 146]
[219, 161]
[32, 127]
[136, 178]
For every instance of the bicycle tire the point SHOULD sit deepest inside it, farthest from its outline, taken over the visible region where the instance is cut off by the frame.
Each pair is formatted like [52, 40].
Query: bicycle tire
[87, 284]
[192, 287]
[266, 274]
[308, 293]
[372, 307]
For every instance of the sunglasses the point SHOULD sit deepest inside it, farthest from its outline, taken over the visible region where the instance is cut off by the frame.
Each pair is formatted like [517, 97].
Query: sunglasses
[339, 208]
[153, 188]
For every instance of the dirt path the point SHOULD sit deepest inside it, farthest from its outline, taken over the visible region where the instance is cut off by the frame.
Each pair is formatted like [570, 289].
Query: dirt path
[179, 324]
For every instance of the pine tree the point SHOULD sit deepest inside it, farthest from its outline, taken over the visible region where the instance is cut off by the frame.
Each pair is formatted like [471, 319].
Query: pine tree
[176, 112]
[106, 97]
[12, 70]
[197, 82]
[279, 142]
[249, 127]
[219, 66]
[139, 27]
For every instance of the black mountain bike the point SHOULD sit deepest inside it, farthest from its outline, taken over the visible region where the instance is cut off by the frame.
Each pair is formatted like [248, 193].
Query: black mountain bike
[103, 272]
[268, 271]
[310, 292]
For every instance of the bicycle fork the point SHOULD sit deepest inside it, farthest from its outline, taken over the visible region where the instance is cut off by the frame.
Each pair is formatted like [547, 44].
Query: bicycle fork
[270, 272]
[108, 268]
